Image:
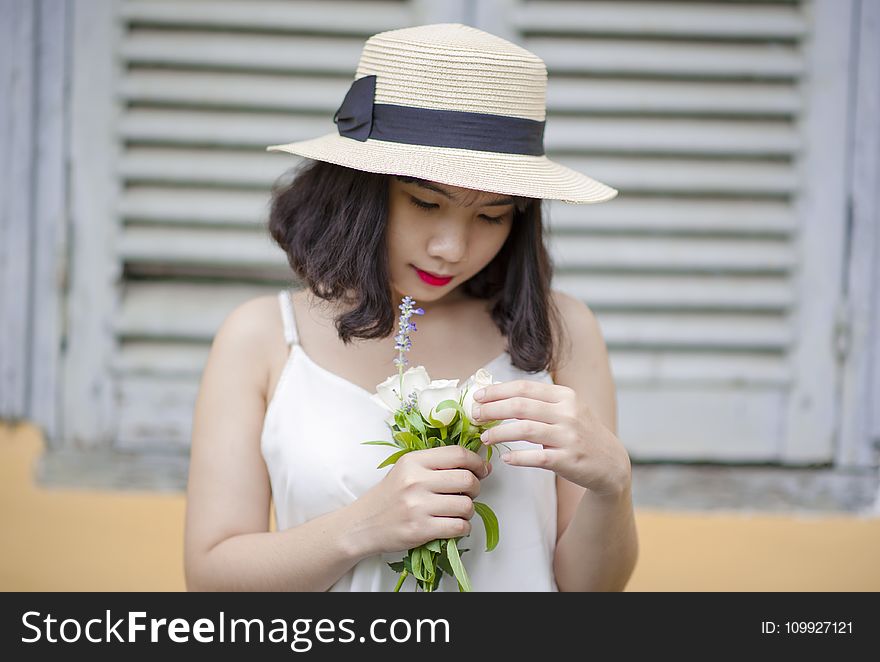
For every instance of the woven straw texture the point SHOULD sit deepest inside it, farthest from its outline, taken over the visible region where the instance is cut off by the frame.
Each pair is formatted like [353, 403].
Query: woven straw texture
[451, 66]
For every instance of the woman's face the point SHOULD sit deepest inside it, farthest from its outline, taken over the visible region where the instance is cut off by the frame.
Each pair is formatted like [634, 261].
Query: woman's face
[444, 230]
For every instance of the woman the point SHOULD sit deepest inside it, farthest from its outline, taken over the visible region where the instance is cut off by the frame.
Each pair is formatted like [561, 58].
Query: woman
[430, 187]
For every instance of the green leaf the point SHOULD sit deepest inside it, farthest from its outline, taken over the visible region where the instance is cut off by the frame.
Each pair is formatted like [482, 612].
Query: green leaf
[409, 439]
[415, 420]
[416, 562]
[428, 563]
[397, 566]
[380, 443]
[473, 444]
[434, 546]
[490, 523]
[394, 457]
[443, 562]
[488, 453]
[464, 582]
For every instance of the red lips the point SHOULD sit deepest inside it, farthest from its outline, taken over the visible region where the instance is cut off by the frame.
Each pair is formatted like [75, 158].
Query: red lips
[432, 279]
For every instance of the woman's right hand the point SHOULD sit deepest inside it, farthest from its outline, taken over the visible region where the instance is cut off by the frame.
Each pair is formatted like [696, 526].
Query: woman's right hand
[427, 494]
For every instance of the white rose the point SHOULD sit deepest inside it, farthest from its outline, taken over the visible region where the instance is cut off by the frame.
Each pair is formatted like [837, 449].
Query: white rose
[433, 394]
[480, 379]
[386, 393]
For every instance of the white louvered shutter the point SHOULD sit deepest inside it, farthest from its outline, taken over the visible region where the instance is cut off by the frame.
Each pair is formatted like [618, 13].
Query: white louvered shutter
[206, 86]
[714, 274]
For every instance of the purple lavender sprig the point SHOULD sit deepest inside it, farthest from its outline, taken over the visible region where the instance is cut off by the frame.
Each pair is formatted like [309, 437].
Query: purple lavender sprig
[403, 343]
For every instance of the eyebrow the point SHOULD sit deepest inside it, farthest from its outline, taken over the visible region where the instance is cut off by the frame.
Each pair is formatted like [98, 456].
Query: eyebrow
[497, 202]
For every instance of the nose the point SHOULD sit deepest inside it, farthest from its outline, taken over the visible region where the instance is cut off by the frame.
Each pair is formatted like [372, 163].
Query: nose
[449, 243]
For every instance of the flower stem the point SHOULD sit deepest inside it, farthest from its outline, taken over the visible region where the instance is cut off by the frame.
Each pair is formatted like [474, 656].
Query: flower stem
[403, 575]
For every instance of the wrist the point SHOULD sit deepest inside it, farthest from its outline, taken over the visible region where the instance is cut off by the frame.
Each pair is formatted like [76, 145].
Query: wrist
[354, 541]
[618, 489]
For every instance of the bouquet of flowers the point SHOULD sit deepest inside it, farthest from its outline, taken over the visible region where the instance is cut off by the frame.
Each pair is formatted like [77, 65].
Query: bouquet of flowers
[428, 414]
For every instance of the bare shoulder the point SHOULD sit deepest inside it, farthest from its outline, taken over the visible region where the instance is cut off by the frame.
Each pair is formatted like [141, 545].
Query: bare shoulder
[586, 365]
[582, 329]
[246, 337]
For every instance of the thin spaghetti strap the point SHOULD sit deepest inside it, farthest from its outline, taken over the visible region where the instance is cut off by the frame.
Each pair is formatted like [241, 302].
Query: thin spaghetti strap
[287, 316]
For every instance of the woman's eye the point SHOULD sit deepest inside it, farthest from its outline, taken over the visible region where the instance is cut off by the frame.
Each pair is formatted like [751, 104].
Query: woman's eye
[421, 204]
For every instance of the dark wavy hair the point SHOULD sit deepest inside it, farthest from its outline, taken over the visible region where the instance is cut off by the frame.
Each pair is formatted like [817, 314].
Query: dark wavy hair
[330, 220]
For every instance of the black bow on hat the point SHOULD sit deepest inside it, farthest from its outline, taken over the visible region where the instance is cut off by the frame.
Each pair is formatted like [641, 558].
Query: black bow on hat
[354, 118]
[360, 118]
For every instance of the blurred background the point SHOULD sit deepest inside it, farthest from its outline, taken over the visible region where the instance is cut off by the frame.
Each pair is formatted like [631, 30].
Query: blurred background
[735, 276]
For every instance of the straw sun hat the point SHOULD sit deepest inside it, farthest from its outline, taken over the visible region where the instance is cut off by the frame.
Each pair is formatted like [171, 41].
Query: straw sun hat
[452, 104]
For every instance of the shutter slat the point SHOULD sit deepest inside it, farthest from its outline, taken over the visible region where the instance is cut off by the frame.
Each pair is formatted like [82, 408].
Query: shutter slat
[185, 246]
[235, 51]
[623, 291]
[181, 309]
[150, 312]
[221, 129]
[253, 248]
[637, 176]
[693, 330]
[631, 367]
[561, 55]
[661, 368]
[702, 97]
[234, 90]
[625, 215]
[672, 136]
[666, 19]
[741, 217]
[204, 206]
[328, 16]
[632, 135]
[564, 55]
[588, 95]
[663, 253]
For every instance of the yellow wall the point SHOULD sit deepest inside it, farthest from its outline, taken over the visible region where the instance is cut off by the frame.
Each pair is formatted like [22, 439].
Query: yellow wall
[121, 541]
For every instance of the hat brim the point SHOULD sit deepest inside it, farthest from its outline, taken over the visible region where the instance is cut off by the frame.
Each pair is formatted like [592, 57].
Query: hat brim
[508, 174]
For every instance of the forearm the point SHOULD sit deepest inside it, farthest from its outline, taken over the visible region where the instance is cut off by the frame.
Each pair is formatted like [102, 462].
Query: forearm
[599, 548]
[308, 557]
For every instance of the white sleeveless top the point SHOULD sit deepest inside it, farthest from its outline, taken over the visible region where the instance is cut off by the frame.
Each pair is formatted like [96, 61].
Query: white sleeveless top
[311, 443]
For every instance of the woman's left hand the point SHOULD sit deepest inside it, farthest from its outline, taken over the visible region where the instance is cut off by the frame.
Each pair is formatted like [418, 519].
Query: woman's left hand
[574, 443]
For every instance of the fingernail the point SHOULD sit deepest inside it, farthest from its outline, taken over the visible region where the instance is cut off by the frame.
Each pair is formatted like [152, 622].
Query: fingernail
[484, 436]
[480, 394]
[505, 457]
[476, 412]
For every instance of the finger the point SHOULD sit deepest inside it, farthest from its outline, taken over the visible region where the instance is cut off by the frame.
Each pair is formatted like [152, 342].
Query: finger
[454, 481]
[449, 505]
[451, 457]
[533, 431]
[521, 408]
[541, 459]
[450, 527]
[524, 388]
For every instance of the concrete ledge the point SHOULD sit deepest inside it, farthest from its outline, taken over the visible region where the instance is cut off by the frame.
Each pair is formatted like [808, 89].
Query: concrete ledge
[694, 487]
[762, 488]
